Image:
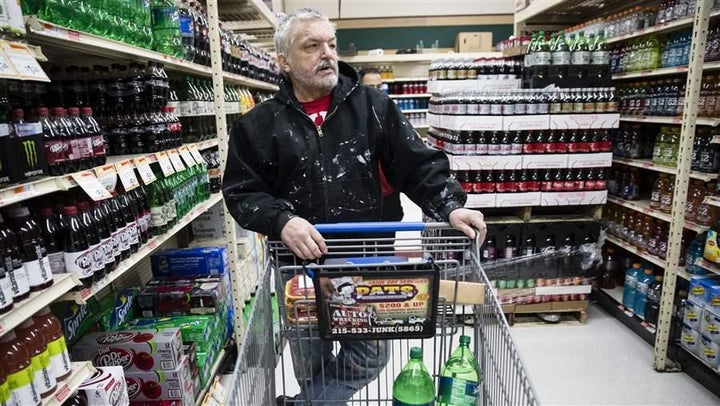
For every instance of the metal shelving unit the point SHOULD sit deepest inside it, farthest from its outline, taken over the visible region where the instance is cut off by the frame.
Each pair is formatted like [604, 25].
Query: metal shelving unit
[674, 70]
[649, 165]
[22, 310]
[80, 372]
[559, 14]
[643, 206]
[144, 251]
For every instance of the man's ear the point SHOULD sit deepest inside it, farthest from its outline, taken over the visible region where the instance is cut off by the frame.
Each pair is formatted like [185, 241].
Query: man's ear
[284, 65]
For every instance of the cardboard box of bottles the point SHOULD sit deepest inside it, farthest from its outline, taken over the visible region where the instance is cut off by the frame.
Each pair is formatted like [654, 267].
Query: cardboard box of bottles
[517, 199]
[451, 86]
[486, 200]
[474, 42]
[538, 161]
[582, 121]
[573, 198]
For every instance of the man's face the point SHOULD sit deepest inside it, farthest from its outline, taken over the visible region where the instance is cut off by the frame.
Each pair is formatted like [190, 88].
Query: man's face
[372, 79]
[312, 62]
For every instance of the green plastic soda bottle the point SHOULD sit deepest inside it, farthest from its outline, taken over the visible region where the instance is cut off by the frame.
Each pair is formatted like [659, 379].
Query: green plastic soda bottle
[414, 385]
[459, 379]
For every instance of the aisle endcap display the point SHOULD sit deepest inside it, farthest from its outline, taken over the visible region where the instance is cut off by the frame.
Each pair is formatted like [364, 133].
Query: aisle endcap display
[21, 311]
[80, 372]
[45, 32]
[147, 249]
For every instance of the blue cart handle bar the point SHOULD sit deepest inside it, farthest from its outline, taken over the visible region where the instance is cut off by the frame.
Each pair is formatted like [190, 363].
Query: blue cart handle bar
[377, 227]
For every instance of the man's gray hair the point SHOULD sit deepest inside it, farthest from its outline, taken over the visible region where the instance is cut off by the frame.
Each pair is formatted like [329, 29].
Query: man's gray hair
[282, 34]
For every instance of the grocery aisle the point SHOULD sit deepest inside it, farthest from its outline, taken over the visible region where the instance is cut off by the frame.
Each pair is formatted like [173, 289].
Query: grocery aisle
[602, 362]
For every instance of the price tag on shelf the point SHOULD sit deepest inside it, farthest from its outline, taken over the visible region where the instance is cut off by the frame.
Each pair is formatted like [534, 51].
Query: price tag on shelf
[176, 161]
[6, 68]
[107, 175]
[126, 172]
[196, 154]
[143, 167]
[90, 184]
[165, 164]
[24, 62]
[187, 156]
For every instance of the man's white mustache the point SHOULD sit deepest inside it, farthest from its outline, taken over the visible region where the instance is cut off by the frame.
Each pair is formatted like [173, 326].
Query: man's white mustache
[326, 65]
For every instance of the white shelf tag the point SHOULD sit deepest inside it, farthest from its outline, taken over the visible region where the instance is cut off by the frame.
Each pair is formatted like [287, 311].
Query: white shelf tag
[176, 161]
[107, 175]
[143, 167]
[90, 184]
[165, 164]
[126, 172]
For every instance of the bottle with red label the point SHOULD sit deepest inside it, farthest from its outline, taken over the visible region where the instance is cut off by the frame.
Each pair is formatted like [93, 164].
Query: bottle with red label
[83, 139]
[65, 133]
[97, 137]
[55, 146]
[33, 249]
[76, 248]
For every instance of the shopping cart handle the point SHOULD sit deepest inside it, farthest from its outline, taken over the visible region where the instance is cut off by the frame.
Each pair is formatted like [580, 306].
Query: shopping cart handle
[370, 227]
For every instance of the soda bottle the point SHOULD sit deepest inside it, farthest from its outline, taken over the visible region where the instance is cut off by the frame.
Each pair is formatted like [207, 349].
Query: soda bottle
[55, 146]
[65, 133]
[34, 252]
[459, 378]
[600, 54]
[82, 139]
[666, 196]
[120, 219]
[97, 138]
[166, 28]
[6, 290]
[561, 53]
[96, 250]
[606, 279]
[631, 278]
[652, 309]
[76, 248]
[131, 219]
[106, 241]
[12, 260]
[137, 203]
[581, 51]
[414, 385]
[114, 230]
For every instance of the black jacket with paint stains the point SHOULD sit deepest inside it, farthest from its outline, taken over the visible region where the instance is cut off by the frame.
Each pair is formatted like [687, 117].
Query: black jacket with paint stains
[281, 164]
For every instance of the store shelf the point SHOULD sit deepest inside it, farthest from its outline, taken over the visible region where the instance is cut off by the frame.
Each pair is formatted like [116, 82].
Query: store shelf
[611, 300]
[629, 248]
[51, 184]
[400, 58]
[45, 33]
[421, 127]
[649, 165]
[712, 201]
[643, 206]
[213, 372]
[410, 96]
[655, 29]
[513, 52]
[651, 73]
[415, 111]
[668, 120]
[395, 80]
[144, 251]
[37, 300]
[80, 372]
[704, 263]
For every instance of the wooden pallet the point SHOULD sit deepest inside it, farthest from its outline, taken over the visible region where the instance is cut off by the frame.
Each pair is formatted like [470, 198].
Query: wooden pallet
[571, 313]
[514, 215]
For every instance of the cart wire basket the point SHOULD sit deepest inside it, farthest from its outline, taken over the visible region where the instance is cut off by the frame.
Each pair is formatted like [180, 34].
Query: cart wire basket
[296, 366]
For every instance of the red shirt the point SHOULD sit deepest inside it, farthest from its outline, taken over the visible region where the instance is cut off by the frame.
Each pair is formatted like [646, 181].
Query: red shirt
[317, 111]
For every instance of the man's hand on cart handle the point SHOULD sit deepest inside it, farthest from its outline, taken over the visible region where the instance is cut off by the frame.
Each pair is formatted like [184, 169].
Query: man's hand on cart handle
[303, 239]
[468, 221]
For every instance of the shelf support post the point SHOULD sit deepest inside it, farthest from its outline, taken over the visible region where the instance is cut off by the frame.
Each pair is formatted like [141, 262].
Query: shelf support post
[687, 135]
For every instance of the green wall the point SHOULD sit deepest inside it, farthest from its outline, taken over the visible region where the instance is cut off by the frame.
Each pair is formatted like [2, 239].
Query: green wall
[408, 37]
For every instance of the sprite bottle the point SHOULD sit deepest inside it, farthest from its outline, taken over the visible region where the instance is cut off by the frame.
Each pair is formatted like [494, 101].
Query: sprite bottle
[459, 378]
[414, 385]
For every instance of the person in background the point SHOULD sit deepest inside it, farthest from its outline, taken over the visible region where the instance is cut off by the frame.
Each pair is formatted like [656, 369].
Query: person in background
[391, 207]
[312, 155]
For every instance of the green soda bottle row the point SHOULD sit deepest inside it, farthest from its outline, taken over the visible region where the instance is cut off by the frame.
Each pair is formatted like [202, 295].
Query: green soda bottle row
[459, 380]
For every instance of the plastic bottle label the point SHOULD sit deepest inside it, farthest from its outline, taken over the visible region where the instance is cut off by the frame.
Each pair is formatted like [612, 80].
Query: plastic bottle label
[57, 262]
[107, 249]
[456, 391]
[55, 151]
[6, 293]
[133, 236]
[97, 258]
[401, 403]
[98, 145]
[124, 238]
[44, 379]
[38, 271]
[22, 387]
[78, 263]
[581, 58]
[157, 217]
[19, 281]
[561, 58]
[59, 357]
[116, 243]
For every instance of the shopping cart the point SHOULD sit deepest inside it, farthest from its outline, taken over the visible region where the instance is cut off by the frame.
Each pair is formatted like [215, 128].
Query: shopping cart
[262, 373]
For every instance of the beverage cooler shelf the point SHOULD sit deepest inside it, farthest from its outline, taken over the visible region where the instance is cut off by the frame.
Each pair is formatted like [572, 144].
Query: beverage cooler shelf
[668, 120]
[643, 206]
[80, 372]
[29, 190]
[45, 33]
[144, 251]
[649, 165]
[20, 312]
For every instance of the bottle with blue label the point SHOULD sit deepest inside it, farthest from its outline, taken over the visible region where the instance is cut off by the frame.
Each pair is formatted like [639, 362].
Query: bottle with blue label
[642, 285]
[631, 277]
[459, 378]
[414, 386]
